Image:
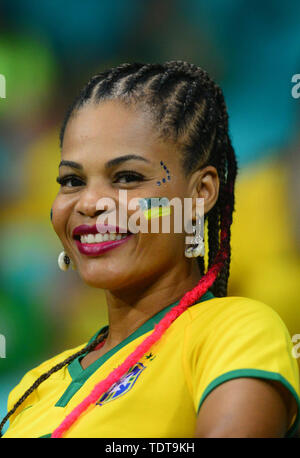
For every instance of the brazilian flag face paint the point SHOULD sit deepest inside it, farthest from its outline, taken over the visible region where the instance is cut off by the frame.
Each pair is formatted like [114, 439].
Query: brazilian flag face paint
[155, 207]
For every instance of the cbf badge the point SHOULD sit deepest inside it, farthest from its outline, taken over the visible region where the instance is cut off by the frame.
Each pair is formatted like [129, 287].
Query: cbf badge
[123, 385]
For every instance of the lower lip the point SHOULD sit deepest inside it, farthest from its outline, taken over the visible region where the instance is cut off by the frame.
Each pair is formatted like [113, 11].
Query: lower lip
[94, 249]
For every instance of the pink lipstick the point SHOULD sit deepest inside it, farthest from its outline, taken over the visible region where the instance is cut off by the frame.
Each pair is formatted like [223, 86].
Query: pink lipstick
[91, 242]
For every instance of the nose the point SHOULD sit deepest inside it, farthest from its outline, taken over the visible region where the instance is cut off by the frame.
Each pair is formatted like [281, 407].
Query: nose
[90, 202]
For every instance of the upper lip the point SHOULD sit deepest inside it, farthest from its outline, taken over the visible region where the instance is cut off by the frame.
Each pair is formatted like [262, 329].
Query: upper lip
[101, 229]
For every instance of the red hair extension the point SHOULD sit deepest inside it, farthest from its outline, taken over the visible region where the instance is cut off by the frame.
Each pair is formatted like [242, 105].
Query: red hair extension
[99, 345]
[189, 298]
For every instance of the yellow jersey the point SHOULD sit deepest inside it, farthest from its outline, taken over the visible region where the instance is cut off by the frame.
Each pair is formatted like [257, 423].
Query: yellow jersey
[213, 341]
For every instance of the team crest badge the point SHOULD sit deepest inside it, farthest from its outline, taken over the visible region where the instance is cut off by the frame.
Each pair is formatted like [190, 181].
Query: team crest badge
[123, 385]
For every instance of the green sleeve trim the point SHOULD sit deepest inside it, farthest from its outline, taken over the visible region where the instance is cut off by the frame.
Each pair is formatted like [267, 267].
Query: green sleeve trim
[45, 436]
[255, 373]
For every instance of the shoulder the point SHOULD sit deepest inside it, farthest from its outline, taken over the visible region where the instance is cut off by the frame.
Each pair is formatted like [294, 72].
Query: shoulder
[222, 304]
[53, 361]
[33, 374]
[231, 312]
[237, 337]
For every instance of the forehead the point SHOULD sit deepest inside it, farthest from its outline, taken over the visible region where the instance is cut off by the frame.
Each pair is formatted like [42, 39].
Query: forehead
[111, 128]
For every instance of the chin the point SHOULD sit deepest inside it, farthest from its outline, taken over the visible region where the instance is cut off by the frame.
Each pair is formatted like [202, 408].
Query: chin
[102, 278]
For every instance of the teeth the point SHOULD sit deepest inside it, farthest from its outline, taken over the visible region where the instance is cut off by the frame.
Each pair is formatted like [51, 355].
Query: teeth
[90, 238]
[98, 238]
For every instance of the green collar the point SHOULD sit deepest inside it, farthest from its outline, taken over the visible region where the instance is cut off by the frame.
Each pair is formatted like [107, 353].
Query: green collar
[76, 369]
[80, 375]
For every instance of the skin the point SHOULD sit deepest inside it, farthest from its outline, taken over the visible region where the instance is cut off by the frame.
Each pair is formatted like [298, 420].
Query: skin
[149, 271]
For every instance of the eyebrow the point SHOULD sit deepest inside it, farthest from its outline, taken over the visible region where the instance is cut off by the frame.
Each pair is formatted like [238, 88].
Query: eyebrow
[121, 159]
[111, 163]
[72, 164]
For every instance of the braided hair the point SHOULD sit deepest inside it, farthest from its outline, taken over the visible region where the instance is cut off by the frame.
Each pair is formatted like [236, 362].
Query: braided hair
[189, 109]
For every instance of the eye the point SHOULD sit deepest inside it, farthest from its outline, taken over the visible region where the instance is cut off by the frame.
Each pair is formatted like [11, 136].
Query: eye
[73, 179]
[128, 176]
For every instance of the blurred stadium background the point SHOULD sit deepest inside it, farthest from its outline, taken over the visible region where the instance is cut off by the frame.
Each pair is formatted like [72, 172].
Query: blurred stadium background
[47, 52]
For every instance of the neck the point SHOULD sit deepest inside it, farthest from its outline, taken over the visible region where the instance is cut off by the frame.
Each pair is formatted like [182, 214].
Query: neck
[128, 310]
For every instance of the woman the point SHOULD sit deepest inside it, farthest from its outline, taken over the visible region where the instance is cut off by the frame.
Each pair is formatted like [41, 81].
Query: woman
[174, 337]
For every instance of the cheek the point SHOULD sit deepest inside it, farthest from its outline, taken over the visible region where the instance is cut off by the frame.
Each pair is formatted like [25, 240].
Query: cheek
[61, 211]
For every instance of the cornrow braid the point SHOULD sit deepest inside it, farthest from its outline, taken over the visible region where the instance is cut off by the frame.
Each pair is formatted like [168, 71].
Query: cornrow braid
[229, 171]
[190, 96]
[142, 74]
[179, 106]
[91, 346]
[229, 207]
[159, 83]
[164, 86]
[114, 75]
[188, 107]
[213, 234]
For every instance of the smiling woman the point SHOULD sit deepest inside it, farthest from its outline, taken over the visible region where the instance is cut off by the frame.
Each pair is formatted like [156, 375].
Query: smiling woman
[178, 357]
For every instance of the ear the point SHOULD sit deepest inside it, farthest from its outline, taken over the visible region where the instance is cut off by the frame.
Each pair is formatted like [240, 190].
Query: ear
[205, 184]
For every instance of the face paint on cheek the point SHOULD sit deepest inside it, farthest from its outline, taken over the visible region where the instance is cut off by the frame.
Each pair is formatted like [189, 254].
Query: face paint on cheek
[154, 207]
[168, 178]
